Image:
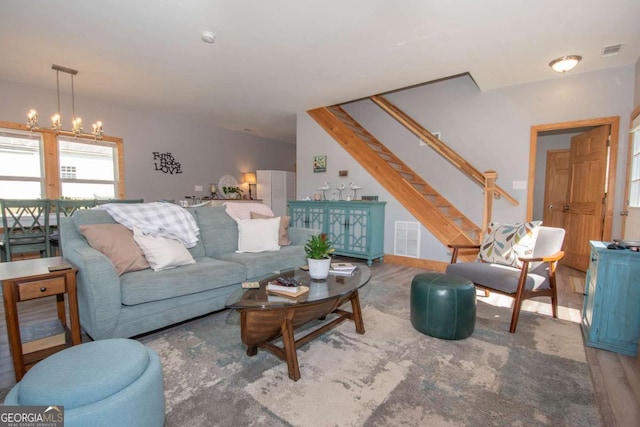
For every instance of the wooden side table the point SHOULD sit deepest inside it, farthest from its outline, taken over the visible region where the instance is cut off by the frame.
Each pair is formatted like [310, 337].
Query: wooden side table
[31, 279]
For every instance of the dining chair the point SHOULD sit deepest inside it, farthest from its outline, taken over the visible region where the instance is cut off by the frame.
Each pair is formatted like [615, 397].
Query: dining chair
[64, 208]
[25, 225]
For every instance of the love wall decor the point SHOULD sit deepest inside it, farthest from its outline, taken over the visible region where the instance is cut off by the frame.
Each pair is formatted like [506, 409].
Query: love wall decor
[165, 162]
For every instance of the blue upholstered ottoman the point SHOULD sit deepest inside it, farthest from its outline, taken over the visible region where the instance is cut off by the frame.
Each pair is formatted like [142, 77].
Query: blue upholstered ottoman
[115, 382]
[443, 305]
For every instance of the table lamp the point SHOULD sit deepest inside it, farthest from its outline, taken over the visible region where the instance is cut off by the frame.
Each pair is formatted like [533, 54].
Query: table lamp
[213, 189]
[250, 179]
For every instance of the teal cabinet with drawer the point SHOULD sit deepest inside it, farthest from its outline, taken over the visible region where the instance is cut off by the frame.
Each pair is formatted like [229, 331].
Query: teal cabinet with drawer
[355, 228]
[611, 307]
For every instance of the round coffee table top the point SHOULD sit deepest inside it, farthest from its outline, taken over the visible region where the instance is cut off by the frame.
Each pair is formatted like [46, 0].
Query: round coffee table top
[319, 290]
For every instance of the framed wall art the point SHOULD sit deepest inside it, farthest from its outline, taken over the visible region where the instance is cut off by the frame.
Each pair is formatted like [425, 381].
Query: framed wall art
[320, 163]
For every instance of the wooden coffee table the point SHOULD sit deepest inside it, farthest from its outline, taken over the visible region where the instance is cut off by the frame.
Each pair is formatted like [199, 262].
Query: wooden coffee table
[265, 317]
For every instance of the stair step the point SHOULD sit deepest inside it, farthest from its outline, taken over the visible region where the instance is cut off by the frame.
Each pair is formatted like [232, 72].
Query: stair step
[387, 162]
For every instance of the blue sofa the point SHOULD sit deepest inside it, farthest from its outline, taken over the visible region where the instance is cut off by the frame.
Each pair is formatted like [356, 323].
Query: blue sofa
[137, 302]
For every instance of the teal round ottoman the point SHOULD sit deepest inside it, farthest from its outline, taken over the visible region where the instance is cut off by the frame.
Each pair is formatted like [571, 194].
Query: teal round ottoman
[443, 305]
[114, 382]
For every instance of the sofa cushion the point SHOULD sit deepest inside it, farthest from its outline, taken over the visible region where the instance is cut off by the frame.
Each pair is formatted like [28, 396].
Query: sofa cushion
[145, 286]
[218, 231]
[497, 276]
[258, 235]
[116, 242]
[283, 232]
[162, 253]
[260, 264]
[92, 216]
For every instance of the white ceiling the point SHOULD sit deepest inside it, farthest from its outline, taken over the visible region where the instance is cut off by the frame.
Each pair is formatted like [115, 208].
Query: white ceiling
[274, 58]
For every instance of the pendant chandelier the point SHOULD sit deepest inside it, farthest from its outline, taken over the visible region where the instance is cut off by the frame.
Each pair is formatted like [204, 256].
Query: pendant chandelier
[76, 122]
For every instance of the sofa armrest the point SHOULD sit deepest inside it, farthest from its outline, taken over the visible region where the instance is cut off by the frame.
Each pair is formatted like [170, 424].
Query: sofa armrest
[299, 236]
[98, 284]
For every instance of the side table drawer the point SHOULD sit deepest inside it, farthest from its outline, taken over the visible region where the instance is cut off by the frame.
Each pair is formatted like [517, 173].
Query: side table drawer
[41, 288]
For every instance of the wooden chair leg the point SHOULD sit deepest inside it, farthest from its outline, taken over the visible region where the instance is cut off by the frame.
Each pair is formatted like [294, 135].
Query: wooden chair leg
[554, 291]
[517, 301]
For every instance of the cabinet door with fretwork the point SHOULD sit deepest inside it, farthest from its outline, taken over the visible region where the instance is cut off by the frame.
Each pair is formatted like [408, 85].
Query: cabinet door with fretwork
[307, 215]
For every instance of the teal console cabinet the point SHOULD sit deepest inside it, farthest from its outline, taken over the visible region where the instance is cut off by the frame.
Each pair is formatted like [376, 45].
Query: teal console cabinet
[611, 307]
[355, 228]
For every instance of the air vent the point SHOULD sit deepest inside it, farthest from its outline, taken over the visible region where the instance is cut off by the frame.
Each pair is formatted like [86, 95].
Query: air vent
[407, 239]
[611, 50]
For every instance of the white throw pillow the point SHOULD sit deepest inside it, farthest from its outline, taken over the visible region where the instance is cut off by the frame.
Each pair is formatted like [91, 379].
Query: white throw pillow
[258, 235]
[162, 253]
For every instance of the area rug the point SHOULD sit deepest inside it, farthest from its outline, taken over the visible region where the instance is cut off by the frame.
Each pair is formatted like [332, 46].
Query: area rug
[391, 375]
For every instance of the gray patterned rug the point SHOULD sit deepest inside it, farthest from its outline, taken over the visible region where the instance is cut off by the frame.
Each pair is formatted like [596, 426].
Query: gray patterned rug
[391, 375]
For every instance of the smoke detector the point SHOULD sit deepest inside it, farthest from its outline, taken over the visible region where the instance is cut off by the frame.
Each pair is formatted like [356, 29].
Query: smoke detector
[208, 37]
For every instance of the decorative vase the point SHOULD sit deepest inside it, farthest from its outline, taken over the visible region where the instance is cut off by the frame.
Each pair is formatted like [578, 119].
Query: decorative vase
[319, 268]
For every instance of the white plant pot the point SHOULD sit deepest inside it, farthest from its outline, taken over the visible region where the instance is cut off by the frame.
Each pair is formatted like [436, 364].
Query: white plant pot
[319, 268]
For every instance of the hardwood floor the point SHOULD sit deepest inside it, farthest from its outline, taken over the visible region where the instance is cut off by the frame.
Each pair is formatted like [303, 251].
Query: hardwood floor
[616, 377]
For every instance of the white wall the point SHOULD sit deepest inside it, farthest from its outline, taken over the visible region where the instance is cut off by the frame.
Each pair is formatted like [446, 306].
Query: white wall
[636, 95]
[205, 152]
[490, 129]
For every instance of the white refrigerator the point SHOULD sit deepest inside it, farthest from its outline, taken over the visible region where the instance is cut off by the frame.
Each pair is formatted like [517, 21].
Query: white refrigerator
[275, 188]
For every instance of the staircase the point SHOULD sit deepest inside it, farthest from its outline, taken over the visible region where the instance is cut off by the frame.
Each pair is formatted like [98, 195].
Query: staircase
[435, 212]
[454, 158]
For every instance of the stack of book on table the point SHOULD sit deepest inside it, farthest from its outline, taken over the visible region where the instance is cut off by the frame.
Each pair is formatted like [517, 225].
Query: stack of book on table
[287, 287]
[342, 268]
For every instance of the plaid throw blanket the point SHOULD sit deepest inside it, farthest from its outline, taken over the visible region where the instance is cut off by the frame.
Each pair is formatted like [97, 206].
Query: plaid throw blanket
[156, 219]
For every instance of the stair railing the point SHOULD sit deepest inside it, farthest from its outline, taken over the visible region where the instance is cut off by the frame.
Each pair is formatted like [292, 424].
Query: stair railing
[440, 147]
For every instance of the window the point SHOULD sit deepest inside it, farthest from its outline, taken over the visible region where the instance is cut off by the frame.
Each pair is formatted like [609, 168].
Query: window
[41, 164]
[21, 164]
[634, 193]
[67, 172]
[89, 169]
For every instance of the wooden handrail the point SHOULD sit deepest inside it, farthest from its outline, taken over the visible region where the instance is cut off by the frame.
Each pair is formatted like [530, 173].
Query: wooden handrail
[489, 191]
[440, 147]
[428, 214]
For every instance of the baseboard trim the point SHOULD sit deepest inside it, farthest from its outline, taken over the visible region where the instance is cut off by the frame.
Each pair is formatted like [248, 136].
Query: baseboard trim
[425, 264]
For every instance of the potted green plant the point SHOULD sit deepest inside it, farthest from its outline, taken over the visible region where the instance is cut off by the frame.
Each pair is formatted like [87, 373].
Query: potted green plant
[236, 191]
[318, 250]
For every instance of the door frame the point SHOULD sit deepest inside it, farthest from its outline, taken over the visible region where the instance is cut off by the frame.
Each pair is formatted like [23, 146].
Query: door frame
[614, 123]
[625, 207]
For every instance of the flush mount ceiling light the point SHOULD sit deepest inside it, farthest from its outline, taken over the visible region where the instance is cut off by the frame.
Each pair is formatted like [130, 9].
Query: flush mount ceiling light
[76, 122]
[565, 63]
